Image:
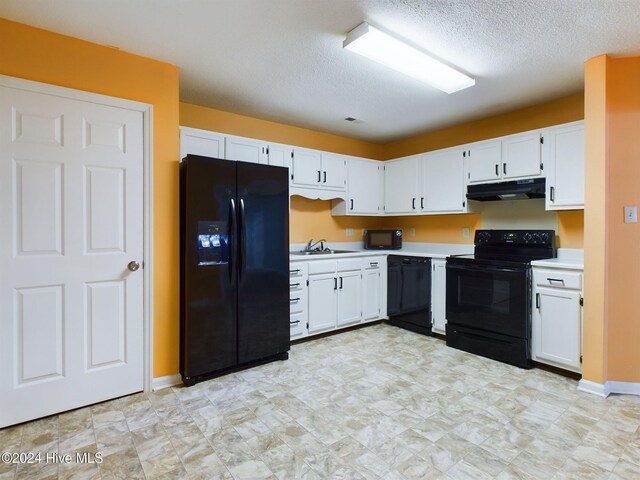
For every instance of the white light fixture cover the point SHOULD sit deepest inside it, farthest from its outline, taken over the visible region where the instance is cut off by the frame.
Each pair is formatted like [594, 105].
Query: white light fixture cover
[372, 43]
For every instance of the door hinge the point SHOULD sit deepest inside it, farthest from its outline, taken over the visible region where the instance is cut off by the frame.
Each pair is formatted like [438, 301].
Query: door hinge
[292, 176]
[291, 153]
[464, 154]
[580, 358]
[469, 175]
[384, 168]
[581, 301]
[307, 326]
[542, 166]
[464, 203]
[267, 150]
[541, 140]
[307, 283]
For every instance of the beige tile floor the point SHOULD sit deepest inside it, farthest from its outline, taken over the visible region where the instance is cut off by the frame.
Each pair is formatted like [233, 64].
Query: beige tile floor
[379, 402]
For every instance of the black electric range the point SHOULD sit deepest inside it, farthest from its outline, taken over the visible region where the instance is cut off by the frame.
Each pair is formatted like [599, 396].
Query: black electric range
[488, 299]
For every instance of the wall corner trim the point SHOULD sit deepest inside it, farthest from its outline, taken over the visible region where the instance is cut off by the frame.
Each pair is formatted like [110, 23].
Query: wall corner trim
[159, 383]
[600, 389]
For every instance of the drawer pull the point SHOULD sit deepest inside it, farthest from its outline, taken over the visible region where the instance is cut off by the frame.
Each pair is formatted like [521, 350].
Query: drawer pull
[559, 280]
[294, 299]
[291, 285]
[294, 323]
[373, 264]
[538, 301]
[294, 271]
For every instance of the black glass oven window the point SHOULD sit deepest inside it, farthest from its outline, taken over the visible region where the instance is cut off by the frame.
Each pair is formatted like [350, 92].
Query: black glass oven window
[484, 294]
[213, 242]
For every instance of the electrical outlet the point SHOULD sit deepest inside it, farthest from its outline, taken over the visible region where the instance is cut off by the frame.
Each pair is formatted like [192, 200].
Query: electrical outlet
[630, 214]
[412, 232]
[349, 232]
[364, 232]
[465, 232]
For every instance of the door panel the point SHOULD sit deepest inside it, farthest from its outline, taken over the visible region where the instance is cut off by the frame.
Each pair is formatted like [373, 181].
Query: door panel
[71, 313]
[521, 156]
[483, 162]
[245, 150]
[322, 302]
[208, 281]
[306, 167]
[364, 191]
[349, 298]
[334, 171]
[263, 286]
[442, 182]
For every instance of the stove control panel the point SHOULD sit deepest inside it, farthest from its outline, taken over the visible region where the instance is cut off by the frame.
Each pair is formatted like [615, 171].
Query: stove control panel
[515, 237]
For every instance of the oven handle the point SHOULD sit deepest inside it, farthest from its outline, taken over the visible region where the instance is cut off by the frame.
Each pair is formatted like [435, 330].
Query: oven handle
[485, 268]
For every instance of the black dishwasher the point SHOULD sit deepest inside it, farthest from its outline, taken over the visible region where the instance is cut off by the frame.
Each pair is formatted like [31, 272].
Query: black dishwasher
[409, 292]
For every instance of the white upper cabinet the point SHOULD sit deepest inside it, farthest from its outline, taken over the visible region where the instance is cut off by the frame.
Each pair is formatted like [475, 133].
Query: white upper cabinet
[442, 182]
[364, 188]
[246, 150]
[563, 159]
[306, 167]
[334, 171]
[279, 155]
[201, 142]
[521, 156]
[483, 161]
[401, 185]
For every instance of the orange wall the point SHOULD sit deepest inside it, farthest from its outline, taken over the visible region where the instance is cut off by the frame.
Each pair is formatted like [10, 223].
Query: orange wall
[206, 118]
[48, 57]
[622, 321]
[563, 110]
[571, 229]
[313, 219]
[436, 228]
[593, 341]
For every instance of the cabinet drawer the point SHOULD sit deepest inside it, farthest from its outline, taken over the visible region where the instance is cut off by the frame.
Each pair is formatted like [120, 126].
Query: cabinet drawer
[349, 264]
[322, 266]
[298, 324]
[558, 279]
[296, 284]
[298, 301]
[373, 263]
[297, 269]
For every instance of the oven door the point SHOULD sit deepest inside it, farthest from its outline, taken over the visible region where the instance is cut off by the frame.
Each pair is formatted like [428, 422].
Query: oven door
[489, 298]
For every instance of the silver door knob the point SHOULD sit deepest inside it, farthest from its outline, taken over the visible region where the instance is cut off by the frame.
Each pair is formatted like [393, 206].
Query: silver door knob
[133, 266]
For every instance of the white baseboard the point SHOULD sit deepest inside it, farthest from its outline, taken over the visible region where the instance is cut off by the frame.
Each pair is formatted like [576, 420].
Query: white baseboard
[609, 387]
[624, 387]
[159, 383]
[588, 386]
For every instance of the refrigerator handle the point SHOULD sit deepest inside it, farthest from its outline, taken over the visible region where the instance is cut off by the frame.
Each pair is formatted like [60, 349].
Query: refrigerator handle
[233, 251]
[243, 242]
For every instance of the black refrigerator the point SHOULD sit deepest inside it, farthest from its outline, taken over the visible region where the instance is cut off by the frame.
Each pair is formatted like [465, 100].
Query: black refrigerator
[234, 265]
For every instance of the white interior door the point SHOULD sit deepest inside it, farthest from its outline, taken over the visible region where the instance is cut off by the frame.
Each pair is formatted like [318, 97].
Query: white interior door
[71, 210]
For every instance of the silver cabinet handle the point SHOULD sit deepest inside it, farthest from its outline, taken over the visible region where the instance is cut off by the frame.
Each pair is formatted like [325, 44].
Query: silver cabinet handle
[133, 265]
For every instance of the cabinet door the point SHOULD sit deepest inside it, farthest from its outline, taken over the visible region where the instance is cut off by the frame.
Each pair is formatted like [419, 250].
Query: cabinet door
[521, 156]
[438, 295]
[483, 161]
[245, 150]
[556, 327]
[334, 171]
[371, 290]
[279, 155]
[563, 154]
[349, 298]
[442, 182]
[401, 186]
[201, 142]
[322, 302]
[306, 167]
[363, 186]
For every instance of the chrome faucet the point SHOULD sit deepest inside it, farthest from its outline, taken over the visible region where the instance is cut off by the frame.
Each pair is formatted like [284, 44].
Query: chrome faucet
[310, 244]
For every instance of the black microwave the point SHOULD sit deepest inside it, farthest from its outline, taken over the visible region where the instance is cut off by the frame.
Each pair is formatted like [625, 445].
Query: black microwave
[383, 240]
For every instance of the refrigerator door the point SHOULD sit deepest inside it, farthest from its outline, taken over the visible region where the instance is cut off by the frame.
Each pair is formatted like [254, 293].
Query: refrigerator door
[263, 276]
[208, 277]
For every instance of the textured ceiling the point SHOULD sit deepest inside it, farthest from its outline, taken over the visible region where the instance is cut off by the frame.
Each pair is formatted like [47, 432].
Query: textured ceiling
[283, 60]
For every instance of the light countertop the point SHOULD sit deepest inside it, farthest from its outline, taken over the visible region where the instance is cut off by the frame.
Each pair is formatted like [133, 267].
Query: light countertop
[433, 250]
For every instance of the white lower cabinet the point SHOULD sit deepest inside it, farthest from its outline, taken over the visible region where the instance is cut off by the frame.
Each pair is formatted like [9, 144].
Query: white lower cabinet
[438, 295]
[338, 294]
[557, 318]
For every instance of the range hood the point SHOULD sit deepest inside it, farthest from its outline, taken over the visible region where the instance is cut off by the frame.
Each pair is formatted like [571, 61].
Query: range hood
[512, 190]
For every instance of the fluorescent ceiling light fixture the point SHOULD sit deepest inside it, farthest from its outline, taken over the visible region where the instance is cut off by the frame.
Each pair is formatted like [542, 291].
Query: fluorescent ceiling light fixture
[381, 47]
